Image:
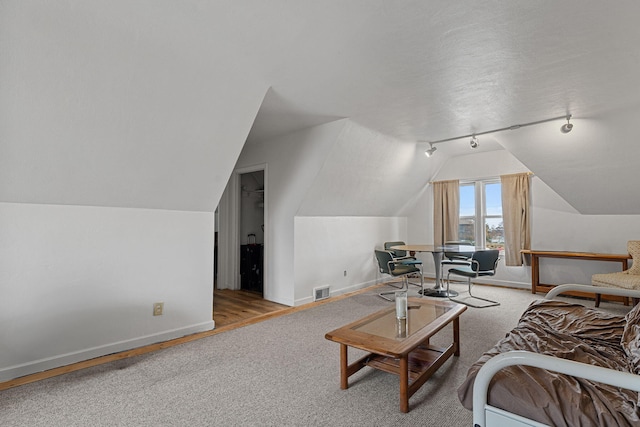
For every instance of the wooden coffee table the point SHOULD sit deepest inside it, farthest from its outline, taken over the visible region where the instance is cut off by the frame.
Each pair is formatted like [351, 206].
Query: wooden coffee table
[400, 347]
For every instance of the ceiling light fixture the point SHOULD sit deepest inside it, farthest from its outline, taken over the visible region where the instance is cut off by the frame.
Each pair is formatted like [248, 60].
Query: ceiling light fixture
[431, 150]
[566, 128]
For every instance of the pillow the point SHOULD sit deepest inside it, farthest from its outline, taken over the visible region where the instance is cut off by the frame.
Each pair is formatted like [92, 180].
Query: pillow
[630, 341]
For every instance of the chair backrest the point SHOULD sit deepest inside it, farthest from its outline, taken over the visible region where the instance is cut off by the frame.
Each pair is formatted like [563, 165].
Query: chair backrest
[396, 253]
[486, 262]
[383, 257]
[457, 255]
[633, 246]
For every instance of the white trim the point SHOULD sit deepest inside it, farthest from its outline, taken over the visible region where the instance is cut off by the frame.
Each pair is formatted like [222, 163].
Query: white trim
[491, 281]
[40, 365]
[336, 292]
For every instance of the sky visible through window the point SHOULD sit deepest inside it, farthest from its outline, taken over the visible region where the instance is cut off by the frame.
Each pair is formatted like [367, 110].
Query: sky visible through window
[493, 201]
[467, 200]
[493, 195]
[492, 231]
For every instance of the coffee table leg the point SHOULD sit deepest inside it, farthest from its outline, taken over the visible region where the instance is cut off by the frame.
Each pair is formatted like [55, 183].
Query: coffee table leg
[344, 365]
[456, 336]
[404, 383]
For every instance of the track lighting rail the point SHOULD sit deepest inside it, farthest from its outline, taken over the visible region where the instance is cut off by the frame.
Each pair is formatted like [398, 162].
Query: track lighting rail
[566, 128]
[514, 127]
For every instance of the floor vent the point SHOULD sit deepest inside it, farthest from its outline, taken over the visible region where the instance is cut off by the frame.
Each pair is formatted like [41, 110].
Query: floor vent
[320, 293]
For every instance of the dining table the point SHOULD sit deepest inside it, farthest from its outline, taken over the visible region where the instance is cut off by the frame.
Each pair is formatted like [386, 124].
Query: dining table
[438, 291]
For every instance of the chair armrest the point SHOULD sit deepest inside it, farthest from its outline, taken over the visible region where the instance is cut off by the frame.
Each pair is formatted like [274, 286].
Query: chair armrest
[599, 374]
[396, 261]
[456, 261]
[631, 293]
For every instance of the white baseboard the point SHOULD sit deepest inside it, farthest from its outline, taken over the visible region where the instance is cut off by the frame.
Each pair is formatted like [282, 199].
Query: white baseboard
[336, 292]
[35, 366]
[492, 281]
[358, 286]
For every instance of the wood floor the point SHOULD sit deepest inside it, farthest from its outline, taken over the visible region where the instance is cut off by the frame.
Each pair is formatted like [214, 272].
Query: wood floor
[231, 307]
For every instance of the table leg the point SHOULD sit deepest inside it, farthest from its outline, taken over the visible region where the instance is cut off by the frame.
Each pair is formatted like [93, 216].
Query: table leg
[438, 291]
[344, 367]
[535, 274]
[456, 336]
[404, 383]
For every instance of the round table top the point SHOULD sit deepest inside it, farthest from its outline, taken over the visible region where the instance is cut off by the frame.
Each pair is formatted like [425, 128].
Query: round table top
[434, 248]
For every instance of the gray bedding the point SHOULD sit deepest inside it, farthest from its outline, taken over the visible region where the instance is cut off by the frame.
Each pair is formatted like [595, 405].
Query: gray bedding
[573, 332]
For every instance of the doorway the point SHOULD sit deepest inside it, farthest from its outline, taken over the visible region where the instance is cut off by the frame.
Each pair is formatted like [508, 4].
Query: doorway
[251, 226]
[242, 214]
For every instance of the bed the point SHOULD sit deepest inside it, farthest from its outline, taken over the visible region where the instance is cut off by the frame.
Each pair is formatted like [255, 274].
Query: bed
[563, 365]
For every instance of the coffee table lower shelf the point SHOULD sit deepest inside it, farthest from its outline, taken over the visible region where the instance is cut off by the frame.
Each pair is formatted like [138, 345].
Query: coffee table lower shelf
[421, 364]
[423, 360]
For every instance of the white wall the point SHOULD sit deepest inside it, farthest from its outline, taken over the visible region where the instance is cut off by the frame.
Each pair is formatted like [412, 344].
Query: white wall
[293, 162]
[102, 106]
[79, 282]
[326, 247]
[555, 224]
[566, 231]
[341, 179]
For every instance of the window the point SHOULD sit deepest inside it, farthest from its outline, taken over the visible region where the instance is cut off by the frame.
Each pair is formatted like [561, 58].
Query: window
[481, 214]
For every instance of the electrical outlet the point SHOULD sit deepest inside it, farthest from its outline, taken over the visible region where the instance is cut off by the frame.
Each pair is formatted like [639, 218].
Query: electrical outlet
[157, 308]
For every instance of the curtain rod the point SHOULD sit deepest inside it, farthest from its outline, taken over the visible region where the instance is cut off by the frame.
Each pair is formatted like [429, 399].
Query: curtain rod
[486, 178]
[514, 127]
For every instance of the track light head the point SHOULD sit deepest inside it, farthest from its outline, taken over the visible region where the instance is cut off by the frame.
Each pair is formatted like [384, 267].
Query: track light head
[430, 150]
[474, 142]
[566, 128]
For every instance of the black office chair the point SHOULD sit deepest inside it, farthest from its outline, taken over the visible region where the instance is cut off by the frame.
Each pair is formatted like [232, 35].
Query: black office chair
[395, 268]
[483, 263]
[406, 259]
[457, 258]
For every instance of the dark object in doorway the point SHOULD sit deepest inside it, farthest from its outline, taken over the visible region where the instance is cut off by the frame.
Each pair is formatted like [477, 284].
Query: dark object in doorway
[251, 267]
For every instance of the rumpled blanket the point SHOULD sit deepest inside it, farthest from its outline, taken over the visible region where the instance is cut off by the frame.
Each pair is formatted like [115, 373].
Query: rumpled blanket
[569, 331]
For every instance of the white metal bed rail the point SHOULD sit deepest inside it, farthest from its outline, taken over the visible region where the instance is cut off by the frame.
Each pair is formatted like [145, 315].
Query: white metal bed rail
[557, 290]
[569, 367]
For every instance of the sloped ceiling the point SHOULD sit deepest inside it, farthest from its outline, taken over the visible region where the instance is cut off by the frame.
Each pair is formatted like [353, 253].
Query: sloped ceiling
[147, 103]
[368, 174]
[594, 168]
[114, 104]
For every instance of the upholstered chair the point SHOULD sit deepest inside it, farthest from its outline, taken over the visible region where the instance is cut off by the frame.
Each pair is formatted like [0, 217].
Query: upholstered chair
[628, 279]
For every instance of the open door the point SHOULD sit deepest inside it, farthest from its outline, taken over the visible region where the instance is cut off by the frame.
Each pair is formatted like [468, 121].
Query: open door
[242, 215]
[252, 231]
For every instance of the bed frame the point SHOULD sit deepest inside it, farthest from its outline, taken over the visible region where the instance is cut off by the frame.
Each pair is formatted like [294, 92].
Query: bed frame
[485, 415]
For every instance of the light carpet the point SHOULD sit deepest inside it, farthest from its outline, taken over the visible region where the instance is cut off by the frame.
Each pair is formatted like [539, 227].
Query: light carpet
[280, 372]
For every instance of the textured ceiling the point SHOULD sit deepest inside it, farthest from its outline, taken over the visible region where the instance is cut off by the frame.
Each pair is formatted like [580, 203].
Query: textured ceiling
[164, 93]
[428, 70]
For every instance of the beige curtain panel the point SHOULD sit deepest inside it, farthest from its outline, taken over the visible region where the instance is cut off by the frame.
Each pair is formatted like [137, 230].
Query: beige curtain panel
[516, 216]
[446, 211]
